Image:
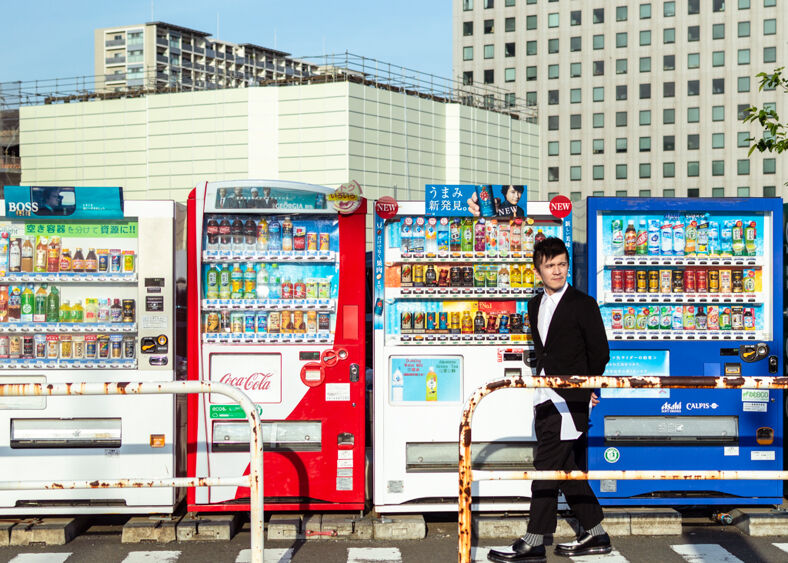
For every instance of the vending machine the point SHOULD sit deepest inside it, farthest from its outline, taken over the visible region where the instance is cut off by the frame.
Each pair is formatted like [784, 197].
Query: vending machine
[87, 293]
[688, 287]
[277, 307]
[451, 315]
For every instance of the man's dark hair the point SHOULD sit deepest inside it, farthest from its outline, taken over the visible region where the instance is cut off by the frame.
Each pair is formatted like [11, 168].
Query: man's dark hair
[505, 189]
[547, 249]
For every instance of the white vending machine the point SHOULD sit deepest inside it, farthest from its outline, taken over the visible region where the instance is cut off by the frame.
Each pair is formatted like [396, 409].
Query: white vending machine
[451, 316]
[87, 293]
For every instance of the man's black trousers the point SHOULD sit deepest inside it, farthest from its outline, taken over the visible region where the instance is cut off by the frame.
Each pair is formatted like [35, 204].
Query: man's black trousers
[567, 455]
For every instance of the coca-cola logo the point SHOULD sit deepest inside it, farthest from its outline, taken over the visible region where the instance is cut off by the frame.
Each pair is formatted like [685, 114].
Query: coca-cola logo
[560, 206]
[386, 207]
[256, 381]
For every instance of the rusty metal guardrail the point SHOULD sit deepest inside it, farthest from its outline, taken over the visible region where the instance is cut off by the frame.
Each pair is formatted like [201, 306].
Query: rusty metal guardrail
[467, 475]
[254, 480]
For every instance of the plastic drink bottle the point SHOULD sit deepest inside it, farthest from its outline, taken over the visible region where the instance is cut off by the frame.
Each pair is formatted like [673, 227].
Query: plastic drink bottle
[431, 237]
[236, 282]
[617, 240]
[212, 283]
[274, 282]
[250, 282]
[642, 239]
[466, 235]
[750, 234]
[224, 282]
[262, 282]
[737, 238]
[653, 237]
[630, 239]
[691, 238]
[678, 239]
[714, 238]
[666, 239]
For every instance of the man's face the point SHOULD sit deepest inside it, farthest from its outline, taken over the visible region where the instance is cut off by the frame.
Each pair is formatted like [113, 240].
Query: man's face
[512, 195]
[238, 192]
[266, 192]
[222, 192]
[254, 193]
[553, 272]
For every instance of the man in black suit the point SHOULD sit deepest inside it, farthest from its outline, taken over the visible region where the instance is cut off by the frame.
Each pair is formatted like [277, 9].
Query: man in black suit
[569, 339]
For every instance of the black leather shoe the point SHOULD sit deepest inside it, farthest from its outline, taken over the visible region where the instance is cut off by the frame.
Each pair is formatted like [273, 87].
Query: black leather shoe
[585, 544]
[520, 551]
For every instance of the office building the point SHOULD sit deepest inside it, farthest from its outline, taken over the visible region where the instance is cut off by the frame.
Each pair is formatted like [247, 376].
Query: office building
[635, 98]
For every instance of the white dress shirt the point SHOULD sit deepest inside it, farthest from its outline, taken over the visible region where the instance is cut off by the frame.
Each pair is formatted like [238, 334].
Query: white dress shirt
[547, 308]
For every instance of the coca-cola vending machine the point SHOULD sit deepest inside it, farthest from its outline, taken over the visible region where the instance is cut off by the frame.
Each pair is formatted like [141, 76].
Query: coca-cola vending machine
[276, 308]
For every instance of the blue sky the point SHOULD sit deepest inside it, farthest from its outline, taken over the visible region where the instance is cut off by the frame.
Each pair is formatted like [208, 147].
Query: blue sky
[55, 37]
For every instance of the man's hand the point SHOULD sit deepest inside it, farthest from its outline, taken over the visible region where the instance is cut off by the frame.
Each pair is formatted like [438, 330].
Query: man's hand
[594, 400]
[473, 207]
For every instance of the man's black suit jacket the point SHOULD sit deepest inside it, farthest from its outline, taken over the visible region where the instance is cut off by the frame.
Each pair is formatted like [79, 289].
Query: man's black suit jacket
[576, 345]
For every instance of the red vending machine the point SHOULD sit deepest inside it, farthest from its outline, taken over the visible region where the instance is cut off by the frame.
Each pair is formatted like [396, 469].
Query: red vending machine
[277, 309]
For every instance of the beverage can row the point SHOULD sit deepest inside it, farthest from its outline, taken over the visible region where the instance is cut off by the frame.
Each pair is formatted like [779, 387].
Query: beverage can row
[454, 322]
[683, 317]
[687, 280]
[477, 275]
[68, 347]
[266, 322]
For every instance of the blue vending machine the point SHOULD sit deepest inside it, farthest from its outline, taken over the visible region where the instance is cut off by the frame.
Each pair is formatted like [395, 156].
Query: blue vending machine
[688, 287]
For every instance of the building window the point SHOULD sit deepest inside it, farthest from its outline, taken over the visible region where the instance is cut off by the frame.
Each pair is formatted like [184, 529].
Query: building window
[668, 192]
[645, 91]
[668, 89]
[552, 148]
[644, 144]
[467, 5]
[668, 169]
[621, 92]
[574, 173]
[645, 11]
[489, 26]
[669, 35]
[718, 113]
[598, 193]
[489, 76]
[693, 142]
[743, 167]
[743, 84]
[599, 93]
[530, 22]
[669, 9]
[621, 171]
[769, 191]
[769, 27]
[718, 140]
[693, 168]
[598, 172]
[467, 53]
[575, 44]
[508, 74]
[530, 73]
[575, 121]
[717, 192]
[530, 47]
[575, 96]
[552, 173]
[598, 146]
[530, 98]
[552, 97]
[621, 119]
[669, 62]
[743, 191]
[467, 28]
[770, 54]
[668, 116]
[744, 4]
[693, 87]
[769, 3]
[467, 78]
[599, 41]
[621, 145]
[742, 111]
[693, 33]
[508, 49]
[575, 17]
[598, 68]
[575, 70]
[489, 4]
[743, 56]
[718, 168]
[599, 15]
[744, 29]
[718, 86]
[621, 39]
[552, 45]
[552, 71]
[718, 5]
[718, 58]
[668, 142]
[645, 64]
[489, 51]
[552, 123]
[645, 37]
[598, 120]
[621, 66]
[621, 193]
[693, 192]
[644, 170]
[509, 24]
[644, 117]
[510, 99]
[693, 7]
[769, 165]
[552, 20]
[621, 13]
[693, 60]
[509, 3]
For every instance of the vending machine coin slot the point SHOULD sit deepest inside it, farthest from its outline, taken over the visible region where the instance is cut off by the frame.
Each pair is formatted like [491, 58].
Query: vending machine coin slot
[354, 371]
[764, 436]
[773, 365]
[753, 352]
[732, 368]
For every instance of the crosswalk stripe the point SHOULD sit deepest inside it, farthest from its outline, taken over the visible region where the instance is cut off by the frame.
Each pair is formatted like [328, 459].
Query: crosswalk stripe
[783, 546]
[480, 553]
[612, 557]
[152, 557]
[705, 553]
[274, 555]
[40, 558]
[373, 554]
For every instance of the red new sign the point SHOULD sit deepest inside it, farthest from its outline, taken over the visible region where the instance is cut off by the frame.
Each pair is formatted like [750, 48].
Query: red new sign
[386, 207]
[560, 206]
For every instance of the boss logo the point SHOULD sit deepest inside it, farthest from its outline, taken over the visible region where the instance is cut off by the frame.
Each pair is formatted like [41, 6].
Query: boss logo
[22, 208]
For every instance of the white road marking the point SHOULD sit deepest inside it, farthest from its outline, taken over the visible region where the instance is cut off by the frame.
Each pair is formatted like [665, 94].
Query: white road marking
[705, 553]
[783, 546]
[40, 558]
[373, 554]
[276, 555]
[480, 553]
[152, 557]
[612, 557]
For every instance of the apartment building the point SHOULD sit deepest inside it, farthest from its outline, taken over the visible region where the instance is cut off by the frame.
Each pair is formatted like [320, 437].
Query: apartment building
[640, 98]
[158, 55]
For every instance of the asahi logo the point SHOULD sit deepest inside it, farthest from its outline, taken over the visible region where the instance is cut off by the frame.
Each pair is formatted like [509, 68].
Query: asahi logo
[253, 382]
[671, 407]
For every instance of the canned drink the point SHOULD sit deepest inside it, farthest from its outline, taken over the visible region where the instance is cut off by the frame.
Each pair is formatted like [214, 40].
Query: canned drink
[678, 281]
[66, 350]
[617, 281]
[516, 323]
[629, 281]
[286, 324]
[115, 263]
[128, 261]
[103, 260]
[311, 322]
[485, 200]
[714, 281]
[226, 321]
[443, 321]
[102, 346]
[3, 345]
[129, 310]
[53, 347]
[129, 347]
[725, 281]
[418, 275]
[40, 346]
[737, 281]
[324, 321]
[653, 281]
[14, 346]
[261, 322]
[432, 321]
[274, 322]
[250, 322]
[90, 347]
[503, 324]
[455, 277]
[737, 318]
[116, 346]
[405, 277]
[713, 317]
[700, 281]
[325, 242]
[642, 283]
[78, 347]
[617, 319]
[467, 276]
[689, 281]
[311, 242]
[237, 322]
[28, 347]
[725, 318]
[454, 324]
[324, 288]
[664, 281]
[406, 322]
[418, 321]
[212, 323]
